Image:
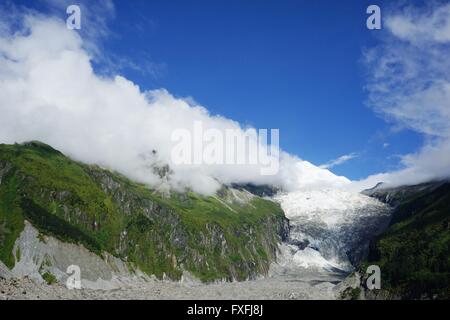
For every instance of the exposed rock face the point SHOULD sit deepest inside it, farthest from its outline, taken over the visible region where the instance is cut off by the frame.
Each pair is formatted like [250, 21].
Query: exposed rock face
[396, 195]
[213, 238]
[259, 190]
[37, 255]
[413, 251]
[234, 235]
[5, 167]
[5, 273]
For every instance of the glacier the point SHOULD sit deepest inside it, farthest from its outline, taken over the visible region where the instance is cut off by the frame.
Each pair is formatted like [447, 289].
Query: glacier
[330, 228]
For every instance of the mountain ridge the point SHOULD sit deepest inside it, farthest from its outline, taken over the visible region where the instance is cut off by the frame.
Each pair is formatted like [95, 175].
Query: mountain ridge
[413, 253]
[211, 237]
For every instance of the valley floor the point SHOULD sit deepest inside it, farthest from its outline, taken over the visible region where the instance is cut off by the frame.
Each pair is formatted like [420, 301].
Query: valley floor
[309, 284]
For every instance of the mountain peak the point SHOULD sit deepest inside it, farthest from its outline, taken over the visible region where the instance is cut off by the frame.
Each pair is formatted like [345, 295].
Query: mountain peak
[40, 146]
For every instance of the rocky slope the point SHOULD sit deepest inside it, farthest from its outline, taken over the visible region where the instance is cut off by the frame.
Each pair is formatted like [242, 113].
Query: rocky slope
[46, 196]
[414, 251]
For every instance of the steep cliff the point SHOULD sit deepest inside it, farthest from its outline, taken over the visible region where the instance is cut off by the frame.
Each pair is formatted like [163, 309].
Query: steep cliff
[414, 251]
[233, 235]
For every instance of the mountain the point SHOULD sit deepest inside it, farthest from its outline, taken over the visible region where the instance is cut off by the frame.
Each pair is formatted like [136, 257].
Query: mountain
[330, 227]
[414, 251]
[55, 212]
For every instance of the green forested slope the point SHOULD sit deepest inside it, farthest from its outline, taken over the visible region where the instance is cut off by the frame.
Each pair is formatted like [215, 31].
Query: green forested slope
[414, 252]
[212, 237]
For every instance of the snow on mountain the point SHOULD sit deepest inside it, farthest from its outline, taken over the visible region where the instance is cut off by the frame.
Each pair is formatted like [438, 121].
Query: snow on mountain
[334, 224]
[330, 206]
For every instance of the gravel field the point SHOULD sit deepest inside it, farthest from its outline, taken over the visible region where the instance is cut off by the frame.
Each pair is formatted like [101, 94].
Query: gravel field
[310, 285]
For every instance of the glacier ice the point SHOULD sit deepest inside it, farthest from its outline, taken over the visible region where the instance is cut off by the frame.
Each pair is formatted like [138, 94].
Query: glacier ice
[335, 224]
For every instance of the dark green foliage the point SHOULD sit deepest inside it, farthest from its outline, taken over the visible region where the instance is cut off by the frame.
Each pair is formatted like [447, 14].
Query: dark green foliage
[414, 253]
[351, 294]
[49, 278]
[11, 219]
[53, 225]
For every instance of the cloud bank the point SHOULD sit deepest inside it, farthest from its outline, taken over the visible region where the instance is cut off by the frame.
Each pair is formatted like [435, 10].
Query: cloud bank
[409, 85]
[50, 92]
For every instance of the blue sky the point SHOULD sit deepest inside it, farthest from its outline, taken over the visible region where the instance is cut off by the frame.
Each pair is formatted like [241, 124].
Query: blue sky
[292, 65]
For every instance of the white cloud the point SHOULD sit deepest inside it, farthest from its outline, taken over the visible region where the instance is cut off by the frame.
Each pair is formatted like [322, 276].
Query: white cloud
[427, 25]
[50, 92]
[335, 162]
[410, 86]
